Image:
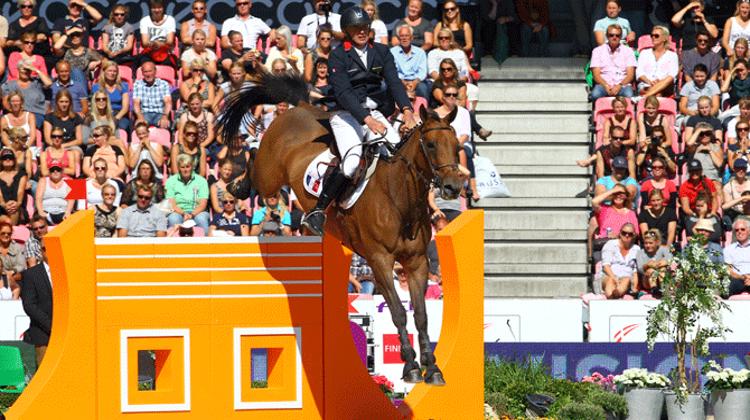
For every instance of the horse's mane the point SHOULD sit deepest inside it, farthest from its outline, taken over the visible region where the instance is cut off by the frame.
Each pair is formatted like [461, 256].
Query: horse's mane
[267, 89]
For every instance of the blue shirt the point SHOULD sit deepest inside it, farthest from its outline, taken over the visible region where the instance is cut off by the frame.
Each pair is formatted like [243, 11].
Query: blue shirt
[78, 91]
[115, 97]
[234, 224]
[610, 183]
[410, 66]
[260, 214]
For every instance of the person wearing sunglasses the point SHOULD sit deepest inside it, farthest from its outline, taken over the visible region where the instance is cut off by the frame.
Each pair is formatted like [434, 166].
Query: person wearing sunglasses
[250, 27]
[142, 219]
[737, 26]
[612, 9]
[619, 263]
[608, 153]
[50, 195]
[613, 66]
[657, 66]
[311, 26]
[701, 53]
[28, 41]
[691, 21]
[651, 149]
[13, 185]
[118, 36]
[198, 23]
[32, 249]
[29, 22]
[230, 221]
[460, 29]
[34, 86]
[740, 149]
[81, 17]
[652, 260]
[737, 257]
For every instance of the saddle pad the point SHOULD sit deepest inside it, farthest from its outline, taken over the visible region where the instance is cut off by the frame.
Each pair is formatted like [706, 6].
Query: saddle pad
[315, 171]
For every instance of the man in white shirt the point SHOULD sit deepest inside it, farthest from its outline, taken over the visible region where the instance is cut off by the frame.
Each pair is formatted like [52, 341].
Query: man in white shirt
[307, 31]
[248, 25]
[737, 257]
[158, 32]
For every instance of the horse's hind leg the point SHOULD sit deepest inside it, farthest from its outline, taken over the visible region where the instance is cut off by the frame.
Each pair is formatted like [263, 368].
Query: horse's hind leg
[382, 268]
[417, 269]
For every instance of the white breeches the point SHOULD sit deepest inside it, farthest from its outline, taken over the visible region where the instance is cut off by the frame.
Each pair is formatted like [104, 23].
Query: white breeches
[350, 134]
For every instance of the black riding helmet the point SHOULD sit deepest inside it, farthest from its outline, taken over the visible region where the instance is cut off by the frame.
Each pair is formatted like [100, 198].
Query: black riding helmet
[354, 16]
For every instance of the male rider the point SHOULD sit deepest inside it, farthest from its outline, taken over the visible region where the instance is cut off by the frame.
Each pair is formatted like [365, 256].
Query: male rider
[365, 83]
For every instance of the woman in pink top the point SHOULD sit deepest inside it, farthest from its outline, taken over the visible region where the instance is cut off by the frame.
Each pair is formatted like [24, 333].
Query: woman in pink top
[613, 216]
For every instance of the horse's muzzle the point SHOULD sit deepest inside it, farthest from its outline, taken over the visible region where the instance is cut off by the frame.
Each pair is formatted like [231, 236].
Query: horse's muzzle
[450, 190]
[241, 188]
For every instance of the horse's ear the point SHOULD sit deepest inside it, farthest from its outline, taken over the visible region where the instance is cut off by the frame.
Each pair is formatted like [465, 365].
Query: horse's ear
[423, 113]
[450, 117]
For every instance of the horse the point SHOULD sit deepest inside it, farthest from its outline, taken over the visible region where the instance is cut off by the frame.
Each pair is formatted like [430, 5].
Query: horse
[389, 222]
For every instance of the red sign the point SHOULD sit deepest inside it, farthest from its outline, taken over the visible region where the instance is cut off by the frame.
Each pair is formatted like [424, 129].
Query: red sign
[77, 189]
[392, 348]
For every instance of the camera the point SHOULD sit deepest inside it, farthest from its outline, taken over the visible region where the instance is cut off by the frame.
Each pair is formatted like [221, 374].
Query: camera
[326, 6]
[276, 217]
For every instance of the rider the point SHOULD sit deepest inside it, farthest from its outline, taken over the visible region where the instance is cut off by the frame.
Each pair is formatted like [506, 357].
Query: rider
[365, 83]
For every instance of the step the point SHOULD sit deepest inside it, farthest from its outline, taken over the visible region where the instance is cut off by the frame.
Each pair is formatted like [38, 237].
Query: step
[531, 155]
[503, 137]
[533, 268]
[534, 286]
[533, 92]
[546, 187]
[536, 256]
[540, 106]
[533, 202]
[535, 68]
[543, 220]
[556, 235]
[545, 125]
[549, 170]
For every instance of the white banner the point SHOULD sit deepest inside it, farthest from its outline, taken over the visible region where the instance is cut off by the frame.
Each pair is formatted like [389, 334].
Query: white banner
[13, 320]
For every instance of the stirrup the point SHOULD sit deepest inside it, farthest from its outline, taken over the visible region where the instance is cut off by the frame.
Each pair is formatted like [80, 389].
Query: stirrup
[314, 221]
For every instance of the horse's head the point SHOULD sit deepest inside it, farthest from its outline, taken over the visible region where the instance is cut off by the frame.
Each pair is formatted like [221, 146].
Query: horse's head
[440, 145]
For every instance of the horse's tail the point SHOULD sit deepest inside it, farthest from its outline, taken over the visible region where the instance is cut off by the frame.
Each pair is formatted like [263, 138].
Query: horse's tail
[268, 89]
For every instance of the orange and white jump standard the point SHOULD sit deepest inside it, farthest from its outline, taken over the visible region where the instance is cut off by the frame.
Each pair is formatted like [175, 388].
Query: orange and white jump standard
[201, 305]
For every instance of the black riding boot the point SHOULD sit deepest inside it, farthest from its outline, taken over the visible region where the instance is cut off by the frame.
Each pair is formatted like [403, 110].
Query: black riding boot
[316, 218]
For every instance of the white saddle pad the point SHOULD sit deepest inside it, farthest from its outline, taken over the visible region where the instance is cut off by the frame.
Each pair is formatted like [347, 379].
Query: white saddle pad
[315, 171]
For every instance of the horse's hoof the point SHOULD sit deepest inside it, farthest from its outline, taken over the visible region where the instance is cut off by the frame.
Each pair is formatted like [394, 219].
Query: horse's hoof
[434, 378]
[413, 376]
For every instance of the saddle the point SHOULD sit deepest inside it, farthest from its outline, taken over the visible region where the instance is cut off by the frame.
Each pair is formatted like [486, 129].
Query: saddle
[323, 165]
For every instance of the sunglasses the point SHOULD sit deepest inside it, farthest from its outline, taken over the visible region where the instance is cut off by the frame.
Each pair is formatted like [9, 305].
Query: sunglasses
[8, 157]
[199, 8]
[740, 229]
[657, 167]
[55, 169]
[108, 195]
[450, 9]
[655, 36]
[613, 35]
[101, 99]
[446, 69]
[29, 42]
[244, 3]
[627, 234]
[100, 168]
[451, 95]
[325, 38]
[658, 137]
[144, 197]
[26, 6]
[702, 41]
[56, 136]
[38, 227]
[444, 38]
[118, 14]
[618, 138]
[743, 128]
[190, 134]
[228, 201]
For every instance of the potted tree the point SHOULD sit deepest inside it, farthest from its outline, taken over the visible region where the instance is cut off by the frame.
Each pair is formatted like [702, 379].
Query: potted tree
[643, 392]
[730, 391]
[691, 288]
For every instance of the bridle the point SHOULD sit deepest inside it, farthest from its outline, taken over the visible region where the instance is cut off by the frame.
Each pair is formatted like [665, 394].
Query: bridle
[435, 179]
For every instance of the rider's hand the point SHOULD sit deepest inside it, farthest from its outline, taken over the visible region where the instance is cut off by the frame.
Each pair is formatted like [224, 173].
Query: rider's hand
[410, 121]
[375, 126]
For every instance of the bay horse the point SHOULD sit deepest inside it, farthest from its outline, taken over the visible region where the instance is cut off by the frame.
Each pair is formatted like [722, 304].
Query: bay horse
[389, 222]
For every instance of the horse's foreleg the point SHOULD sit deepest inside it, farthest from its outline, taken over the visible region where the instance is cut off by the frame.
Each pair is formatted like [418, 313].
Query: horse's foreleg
[417, 269]
[382, 269]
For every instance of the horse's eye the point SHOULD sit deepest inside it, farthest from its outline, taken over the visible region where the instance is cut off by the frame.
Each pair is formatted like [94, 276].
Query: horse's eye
[431, 146]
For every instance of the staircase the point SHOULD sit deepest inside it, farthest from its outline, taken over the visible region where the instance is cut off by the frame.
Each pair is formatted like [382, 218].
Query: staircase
[535, 242]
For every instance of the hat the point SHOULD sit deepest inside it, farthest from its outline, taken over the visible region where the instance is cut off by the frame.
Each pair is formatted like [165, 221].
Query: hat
[619, 162]
[694, 165]
[187, 224]
[7, 152]
[271, 226]
[740, 164]
[55, 164]
[704, 224]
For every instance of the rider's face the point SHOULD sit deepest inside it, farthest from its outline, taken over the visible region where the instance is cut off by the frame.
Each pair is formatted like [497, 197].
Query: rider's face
[359, 34]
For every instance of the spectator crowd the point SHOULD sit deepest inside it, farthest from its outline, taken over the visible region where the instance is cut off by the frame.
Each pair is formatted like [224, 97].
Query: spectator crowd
[670, 156]
[133, 111]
